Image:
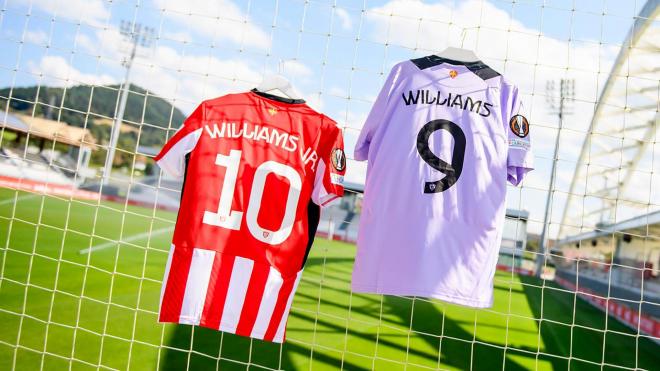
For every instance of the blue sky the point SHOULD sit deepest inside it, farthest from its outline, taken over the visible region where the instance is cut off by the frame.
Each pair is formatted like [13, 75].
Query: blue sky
[335, 52]
[284, 29]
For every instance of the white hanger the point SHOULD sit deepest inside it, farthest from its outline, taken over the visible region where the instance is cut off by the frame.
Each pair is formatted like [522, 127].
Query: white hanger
[279, 85]
[460, 54]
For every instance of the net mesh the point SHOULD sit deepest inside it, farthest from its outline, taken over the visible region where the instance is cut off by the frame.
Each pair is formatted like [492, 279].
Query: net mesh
[82, 260]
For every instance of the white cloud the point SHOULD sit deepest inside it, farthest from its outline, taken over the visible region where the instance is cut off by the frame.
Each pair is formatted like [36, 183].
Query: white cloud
[85, 43]
[217, 19]
[56, 71]
[107, 43]
[338, 92]
[296, 69]
[187, 79]
[37, 37]
[180, 36]
[345, 18]
[183, 78]
[90, 11]
[180, 76]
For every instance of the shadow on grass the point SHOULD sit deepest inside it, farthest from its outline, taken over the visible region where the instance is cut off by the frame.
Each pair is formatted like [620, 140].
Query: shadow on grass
[212, 349]
[586, 340]
[459, 347]
[235, 352]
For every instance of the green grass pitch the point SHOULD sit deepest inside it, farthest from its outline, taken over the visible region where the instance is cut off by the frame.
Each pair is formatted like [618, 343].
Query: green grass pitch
[61, 309]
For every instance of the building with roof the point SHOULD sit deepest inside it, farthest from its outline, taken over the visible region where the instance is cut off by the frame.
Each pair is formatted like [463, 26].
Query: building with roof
[39, 162]
[46, 129]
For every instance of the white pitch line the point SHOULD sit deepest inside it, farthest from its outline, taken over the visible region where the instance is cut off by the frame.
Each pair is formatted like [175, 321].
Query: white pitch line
[134, 237]
[25, 197]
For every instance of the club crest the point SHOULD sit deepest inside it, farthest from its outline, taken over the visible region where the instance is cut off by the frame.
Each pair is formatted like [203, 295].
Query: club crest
[453, 74]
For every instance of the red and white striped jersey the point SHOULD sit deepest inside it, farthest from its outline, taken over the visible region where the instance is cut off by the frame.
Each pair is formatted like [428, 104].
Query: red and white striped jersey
[257, 167]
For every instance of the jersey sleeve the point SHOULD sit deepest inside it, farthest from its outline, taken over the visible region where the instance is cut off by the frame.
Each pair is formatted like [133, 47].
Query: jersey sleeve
[376, 115]
[520, 159]
[329, 181]
[172, 156]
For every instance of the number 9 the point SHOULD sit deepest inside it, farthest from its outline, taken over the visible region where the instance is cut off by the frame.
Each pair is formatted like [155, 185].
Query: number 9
[452, 171]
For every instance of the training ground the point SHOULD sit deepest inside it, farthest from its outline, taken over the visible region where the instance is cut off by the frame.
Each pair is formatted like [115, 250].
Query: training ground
[67, 289]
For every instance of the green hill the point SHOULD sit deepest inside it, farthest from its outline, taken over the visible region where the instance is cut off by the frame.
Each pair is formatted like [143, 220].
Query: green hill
[147, 114]
[99, 101]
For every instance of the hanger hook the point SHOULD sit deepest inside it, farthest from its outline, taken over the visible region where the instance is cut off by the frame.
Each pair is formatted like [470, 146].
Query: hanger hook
[464, 33]
[280, 66]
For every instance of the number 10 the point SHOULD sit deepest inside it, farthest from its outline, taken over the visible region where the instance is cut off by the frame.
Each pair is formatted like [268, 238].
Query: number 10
[225, 217]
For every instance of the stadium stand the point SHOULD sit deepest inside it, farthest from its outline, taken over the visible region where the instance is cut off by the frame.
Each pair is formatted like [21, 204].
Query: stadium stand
[619, 262]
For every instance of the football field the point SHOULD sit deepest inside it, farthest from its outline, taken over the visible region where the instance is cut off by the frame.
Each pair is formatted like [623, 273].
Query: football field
[71, 296]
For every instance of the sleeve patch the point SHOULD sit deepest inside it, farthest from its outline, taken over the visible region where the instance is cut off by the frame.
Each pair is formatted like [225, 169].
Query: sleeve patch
[338, 159]
[519, 126]
[336, 179]
[517, 143]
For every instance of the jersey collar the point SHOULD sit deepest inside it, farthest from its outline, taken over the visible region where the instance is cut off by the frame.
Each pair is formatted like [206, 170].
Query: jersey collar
[477, 67]
[277, 97]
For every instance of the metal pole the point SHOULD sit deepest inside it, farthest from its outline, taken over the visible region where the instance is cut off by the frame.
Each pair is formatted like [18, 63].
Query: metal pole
[540, 258]
[114, 134]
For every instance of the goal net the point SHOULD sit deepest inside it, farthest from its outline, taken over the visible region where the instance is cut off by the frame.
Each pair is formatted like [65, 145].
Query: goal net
[90, 90]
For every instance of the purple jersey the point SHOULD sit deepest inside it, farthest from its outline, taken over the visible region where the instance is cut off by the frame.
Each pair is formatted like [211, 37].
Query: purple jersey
[442, 139]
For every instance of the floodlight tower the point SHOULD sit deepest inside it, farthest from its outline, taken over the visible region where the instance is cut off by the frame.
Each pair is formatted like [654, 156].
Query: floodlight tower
[560, 106]
[136, 35]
